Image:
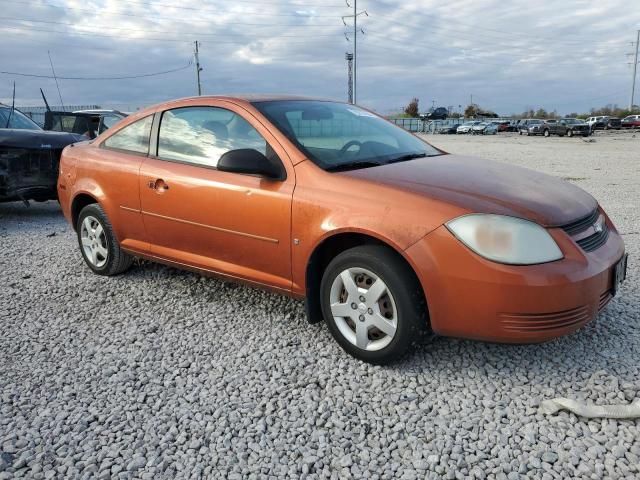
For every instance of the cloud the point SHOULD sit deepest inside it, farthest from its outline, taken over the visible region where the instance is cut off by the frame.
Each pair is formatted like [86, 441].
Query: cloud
[509, 55]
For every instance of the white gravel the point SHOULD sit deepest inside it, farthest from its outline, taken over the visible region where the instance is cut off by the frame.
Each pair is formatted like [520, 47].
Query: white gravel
[165, 374]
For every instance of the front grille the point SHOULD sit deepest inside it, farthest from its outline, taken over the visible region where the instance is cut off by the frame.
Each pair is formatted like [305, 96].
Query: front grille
[594, 241]
[591, 242]
[541, 322]
[581, 224]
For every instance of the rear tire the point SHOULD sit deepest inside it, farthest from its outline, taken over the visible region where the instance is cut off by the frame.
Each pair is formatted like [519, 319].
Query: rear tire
[354, 308]
[569, 133]
[99, 246]
[546, 133]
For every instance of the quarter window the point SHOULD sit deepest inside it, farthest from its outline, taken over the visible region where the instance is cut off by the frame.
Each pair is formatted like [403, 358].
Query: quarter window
[133, 137]
[201, 135]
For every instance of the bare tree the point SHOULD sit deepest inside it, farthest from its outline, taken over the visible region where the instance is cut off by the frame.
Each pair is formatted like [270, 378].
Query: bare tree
[412, 109]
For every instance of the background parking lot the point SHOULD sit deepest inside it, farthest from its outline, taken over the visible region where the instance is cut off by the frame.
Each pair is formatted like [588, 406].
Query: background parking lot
[161, 373]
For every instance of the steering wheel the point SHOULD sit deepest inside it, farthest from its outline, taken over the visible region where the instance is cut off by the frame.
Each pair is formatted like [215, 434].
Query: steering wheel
[348, 145]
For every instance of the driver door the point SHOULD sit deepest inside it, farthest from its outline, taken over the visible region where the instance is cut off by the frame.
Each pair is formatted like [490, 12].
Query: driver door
[234, 224]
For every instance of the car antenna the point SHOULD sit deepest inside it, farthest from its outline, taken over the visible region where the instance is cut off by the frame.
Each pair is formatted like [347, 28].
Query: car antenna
[13, 104]
[46, 104]
[56, 79]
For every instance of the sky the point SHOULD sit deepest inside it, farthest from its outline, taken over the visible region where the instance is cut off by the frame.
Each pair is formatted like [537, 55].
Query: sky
[510, 56]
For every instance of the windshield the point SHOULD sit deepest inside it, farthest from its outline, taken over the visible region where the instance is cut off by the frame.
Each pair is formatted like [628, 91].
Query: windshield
[338, 136]
[16, 120]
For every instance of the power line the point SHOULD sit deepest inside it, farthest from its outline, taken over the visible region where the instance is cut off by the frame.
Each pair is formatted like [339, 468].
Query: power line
[218, 11]
[175, 32]
[120, 77]
[56, 79]
[188, 21]
[121, 37]
[498, 35]
[455, 34]
[251, 2]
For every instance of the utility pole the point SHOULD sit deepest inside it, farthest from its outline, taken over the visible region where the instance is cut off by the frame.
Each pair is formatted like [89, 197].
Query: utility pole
[349, 58]
[355, 16]
[635, 68]
[198, 69]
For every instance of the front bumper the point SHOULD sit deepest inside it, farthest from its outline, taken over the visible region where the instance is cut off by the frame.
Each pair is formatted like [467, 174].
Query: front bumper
[471, 297]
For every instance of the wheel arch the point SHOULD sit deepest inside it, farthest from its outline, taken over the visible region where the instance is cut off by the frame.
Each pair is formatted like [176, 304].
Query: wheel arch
[80, 201]
[326, 250]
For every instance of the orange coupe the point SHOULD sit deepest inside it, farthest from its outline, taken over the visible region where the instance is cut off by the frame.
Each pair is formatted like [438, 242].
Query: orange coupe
[383, 234]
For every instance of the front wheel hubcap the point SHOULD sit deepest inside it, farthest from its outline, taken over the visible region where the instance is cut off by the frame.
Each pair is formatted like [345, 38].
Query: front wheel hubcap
[94, 241]
[363, 309]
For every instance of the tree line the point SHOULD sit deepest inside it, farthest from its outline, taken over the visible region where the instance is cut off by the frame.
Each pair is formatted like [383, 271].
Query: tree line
[412, 110]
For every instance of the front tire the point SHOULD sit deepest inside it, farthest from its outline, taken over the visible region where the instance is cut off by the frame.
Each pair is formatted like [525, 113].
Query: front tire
[569, 133]
[373, 303]
[99, 246]
[546, 133]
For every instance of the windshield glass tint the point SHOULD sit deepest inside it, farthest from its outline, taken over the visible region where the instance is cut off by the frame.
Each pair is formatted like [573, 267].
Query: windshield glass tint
[335, 135]
[16, 120]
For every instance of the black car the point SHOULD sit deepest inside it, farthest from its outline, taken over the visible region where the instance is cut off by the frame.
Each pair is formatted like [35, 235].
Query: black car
[575, 126]
[613, 123]
[439, 113]
[29, 157]
[448, 129]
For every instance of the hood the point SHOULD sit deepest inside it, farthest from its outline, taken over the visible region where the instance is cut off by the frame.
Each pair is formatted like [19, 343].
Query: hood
[483, 186]
[39, 139]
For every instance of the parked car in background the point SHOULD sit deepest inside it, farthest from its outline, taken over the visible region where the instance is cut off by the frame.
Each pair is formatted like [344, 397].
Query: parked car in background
[384, 235]
[503, 126]
[526, 123]
[484, 128]
[545, 127]
[613, 123]
[439, 113]
[89, 123]
[630, 121]
[576, 126]
[29, 157]
[597, 123]
[448, 129]
[513, 126]
[466, 127]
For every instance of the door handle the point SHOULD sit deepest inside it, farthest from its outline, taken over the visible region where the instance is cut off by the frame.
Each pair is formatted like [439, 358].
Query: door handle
[158, 185]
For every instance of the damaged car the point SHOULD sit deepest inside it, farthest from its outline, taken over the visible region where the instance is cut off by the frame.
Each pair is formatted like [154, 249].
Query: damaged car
[29, 157]
[89, 123]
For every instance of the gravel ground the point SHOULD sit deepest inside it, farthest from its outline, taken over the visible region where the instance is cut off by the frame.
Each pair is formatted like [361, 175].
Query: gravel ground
[161, 373]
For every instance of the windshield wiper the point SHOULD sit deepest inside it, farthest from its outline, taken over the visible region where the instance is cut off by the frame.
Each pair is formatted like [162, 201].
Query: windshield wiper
[353, 165]
[409, 156]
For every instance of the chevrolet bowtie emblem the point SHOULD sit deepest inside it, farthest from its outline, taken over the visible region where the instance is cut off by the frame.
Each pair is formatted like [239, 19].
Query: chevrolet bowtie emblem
[597, 227]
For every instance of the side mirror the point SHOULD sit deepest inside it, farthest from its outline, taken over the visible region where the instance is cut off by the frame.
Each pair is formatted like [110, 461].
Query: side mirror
[250, 161]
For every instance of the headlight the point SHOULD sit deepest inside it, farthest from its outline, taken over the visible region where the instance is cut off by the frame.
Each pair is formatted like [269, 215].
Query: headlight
[505, 239]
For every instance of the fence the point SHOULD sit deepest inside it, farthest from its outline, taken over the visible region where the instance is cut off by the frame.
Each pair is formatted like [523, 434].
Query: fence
[432, 126]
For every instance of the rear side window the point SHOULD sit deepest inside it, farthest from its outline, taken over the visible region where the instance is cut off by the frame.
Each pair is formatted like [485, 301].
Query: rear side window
[132, 138]
[201, 135]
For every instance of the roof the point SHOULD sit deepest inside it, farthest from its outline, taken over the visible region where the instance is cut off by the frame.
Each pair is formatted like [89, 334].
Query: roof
[257, 97]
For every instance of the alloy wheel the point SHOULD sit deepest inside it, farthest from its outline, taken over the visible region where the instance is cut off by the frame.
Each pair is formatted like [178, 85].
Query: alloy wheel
[363, 309]
[94, 241]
